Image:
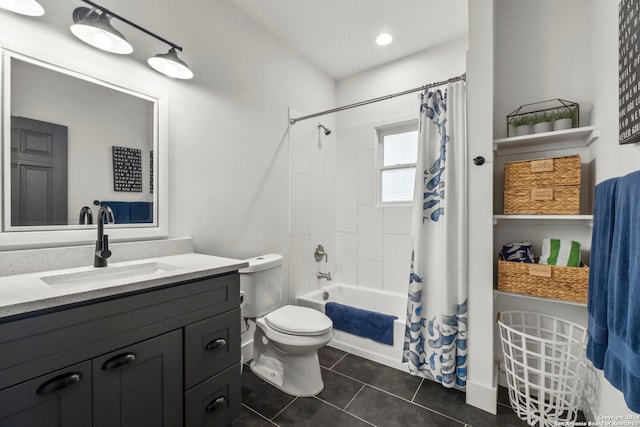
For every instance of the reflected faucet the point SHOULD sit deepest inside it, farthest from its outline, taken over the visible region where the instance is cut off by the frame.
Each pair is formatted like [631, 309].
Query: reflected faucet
[86, 216]
[102, 244]
[325, 276]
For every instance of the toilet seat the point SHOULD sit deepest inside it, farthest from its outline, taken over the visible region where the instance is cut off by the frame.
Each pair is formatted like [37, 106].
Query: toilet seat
[301, 321]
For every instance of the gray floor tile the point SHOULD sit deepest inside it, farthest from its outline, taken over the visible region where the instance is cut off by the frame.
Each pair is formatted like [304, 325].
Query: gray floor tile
[389, 379]
[338, 389]
[384, 410]
[248, 418]
[451, 402]
[312, 412]
[261, 396]
[329, 356]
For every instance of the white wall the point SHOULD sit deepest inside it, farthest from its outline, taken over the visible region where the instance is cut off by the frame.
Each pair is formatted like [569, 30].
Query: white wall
[228, 144]
[372, 242]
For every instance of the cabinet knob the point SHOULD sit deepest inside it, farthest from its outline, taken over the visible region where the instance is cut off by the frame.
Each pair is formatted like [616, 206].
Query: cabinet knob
[59, 382]
[217, 343]
[478, 161]
[118, 361]
[216, 403]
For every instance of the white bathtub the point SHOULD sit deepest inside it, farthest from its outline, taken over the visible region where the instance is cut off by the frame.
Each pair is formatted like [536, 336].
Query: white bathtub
[368, 299]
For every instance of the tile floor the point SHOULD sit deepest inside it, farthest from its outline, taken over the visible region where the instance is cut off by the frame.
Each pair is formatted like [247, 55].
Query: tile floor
[359, 392]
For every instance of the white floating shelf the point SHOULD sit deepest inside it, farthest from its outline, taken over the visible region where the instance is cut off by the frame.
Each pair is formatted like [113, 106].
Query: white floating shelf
[511, 294]
[585, 219]
[568, 138]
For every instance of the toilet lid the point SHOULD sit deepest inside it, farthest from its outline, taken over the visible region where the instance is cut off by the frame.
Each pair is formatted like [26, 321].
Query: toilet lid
[295, 320]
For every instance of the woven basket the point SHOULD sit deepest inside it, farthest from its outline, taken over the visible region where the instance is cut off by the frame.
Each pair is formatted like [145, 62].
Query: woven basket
[543, 200]
[551, 172]
[544, 281]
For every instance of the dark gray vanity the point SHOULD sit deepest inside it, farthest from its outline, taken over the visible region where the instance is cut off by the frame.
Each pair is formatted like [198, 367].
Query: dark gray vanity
[165, 352]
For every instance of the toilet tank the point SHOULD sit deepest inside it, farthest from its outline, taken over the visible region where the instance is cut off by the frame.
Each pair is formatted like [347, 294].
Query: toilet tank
[262, 283]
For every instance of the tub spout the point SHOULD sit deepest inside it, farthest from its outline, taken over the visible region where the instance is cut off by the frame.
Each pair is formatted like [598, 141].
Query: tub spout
[324, 276]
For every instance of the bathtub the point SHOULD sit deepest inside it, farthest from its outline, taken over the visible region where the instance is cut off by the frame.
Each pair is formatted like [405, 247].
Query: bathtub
[368, 299]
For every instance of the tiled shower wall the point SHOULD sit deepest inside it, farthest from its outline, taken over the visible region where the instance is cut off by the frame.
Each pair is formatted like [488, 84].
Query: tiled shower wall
[312, 205]
[372, 242]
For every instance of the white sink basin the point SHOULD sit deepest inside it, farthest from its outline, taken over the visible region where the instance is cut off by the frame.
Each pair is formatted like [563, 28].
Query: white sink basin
[110, 275]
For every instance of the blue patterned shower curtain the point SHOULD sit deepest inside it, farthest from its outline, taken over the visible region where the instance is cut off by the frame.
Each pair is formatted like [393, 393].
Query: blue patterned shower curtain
[436, 335]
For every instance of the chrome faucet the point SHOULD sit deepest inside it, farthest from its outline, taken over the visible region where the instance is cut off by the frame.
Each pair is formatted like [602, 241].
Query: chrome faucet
[102, 244]
[86, 216]
[325, 276]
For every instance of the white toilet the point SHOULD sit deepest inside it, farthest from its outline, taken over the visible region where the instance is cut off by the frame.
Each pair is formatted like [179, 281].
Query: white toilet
[287, 338]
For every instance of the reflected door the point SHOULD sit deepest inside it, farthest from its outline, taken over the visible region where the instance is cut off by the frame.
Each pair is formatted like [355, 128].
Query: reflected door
[38, 172]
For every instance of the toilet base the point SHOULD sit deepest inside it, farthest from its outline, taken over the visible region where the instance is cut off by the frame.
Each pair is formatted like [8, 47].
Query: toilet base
[295, 374]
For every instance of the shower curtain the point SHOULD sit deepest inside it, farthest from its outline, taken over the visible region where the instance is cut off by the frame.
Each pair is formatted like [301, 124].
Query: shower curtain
[436, 334]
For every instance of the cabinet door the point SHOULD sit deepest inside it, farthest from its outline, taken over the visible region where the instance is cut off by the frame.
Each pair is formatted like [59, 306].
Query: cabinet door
[140, 385]
[60, 399]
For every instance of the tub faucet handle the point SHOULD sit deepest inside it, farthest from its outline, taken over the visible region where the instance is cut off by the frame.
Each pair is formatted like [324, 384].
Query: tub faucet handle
[320, 253]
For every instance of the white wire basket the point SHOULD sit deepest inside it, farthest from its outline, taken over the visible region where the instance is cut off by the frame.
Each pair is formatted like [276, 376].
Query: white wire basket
[544, 358]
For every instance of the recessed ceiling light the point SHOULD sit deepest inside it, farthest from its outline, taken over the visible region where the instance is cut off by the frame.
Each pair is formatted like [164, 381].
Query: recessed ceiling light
[384, 39]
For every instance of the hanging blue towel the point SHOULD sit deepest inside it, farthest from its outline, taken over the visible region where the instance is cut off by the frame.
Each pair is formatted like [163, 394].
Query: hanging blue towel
[622, 359]
[141, 212]
[364, 323]
[601, 240]
[121, 211]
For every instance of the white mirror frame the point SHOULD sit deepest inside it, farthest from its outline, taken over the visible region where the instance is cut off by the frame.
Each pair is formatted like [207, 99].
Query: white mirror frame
[48, 236]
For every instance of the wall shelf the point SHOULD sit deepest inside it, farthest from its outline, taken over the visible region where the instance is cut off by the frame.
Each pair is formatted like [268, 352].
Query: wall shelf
[569, 138]
[511, 294]
[544, 219]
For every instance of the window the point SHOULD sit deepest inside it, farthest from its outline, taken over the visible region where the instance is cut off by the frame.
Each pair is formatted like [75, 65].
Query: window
[397, 153]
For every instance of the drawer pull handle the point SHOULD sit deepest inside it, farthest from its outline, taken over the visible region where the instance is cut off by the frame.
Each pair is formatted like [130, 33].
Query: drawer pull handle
[217, 343]
[216, 403]
[59, 382]
[118, 361]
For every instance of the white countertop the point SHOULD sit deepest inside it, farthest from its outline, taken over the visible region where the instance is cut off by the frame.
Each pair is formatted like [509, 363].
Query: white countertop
[24, 293]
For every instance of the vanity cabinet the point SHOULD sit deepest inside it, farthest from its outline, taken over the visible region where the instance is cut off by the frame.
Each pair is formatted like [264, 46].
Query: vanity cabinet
[168, 356]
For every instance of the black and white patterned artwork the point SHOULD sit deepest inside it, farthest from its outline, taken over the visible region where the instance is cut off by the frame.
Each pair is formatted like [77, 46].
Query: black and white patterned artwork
[127, 169]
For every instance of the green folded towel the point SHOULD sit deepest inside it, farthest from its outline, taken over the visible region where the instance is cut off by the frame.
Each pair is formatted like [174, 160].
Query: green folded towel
[560, 252]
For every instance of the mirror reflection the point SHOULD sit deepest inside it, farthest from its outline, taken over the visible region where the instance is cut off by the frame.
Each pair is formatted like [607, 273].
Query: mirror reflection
[76, 144]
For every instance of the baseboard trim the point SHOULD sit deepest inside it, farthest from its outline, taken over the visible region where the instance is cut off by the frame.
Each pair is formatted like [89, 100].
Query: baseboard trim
[482, 396]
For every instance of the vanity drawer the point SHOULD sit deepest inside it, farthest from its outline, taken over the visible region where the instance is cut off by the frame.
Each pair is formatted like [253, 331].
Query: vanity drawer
[210, 346]
[215, 402]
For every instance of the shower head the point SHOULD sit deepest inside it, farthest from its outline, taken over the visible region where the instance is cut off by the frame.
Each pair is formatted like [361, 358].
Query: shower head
[326, 131]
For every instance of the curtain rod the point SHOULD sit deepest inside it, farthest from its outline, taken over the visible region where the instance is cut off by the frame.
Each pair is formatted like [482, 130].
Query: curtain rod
[382, 98]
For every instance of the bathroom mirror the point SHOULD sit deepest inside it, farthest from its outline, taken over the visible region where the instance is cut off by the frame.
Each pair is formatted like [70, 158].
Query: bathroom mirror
[71, 143]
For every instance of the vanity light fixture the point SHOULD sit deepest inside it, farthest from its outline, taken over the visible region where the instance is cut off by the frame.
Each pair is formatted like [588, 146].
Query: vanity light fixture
[95, 29]
[93, 26]
[23, 7]
[169, 64]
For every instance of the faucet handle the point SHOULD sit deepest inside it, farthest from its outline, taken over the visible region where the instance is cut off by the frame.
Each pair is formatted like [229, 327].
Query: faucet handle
[104, 251]
[320, 253]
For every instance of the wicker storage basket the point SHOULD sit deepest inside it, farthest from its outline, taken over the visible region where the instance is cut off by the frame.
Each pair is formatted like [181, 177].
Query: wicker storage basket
[544, 281]
[543, 187]
[551, 172]
[543, 201]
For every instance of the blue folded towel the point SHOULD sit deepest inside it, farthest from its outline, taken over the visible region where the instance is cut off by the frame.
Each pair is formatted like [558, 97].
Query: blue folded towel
[364, 323]
[141, 212]
[601, 241]
[622, 359]
[121, 211]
